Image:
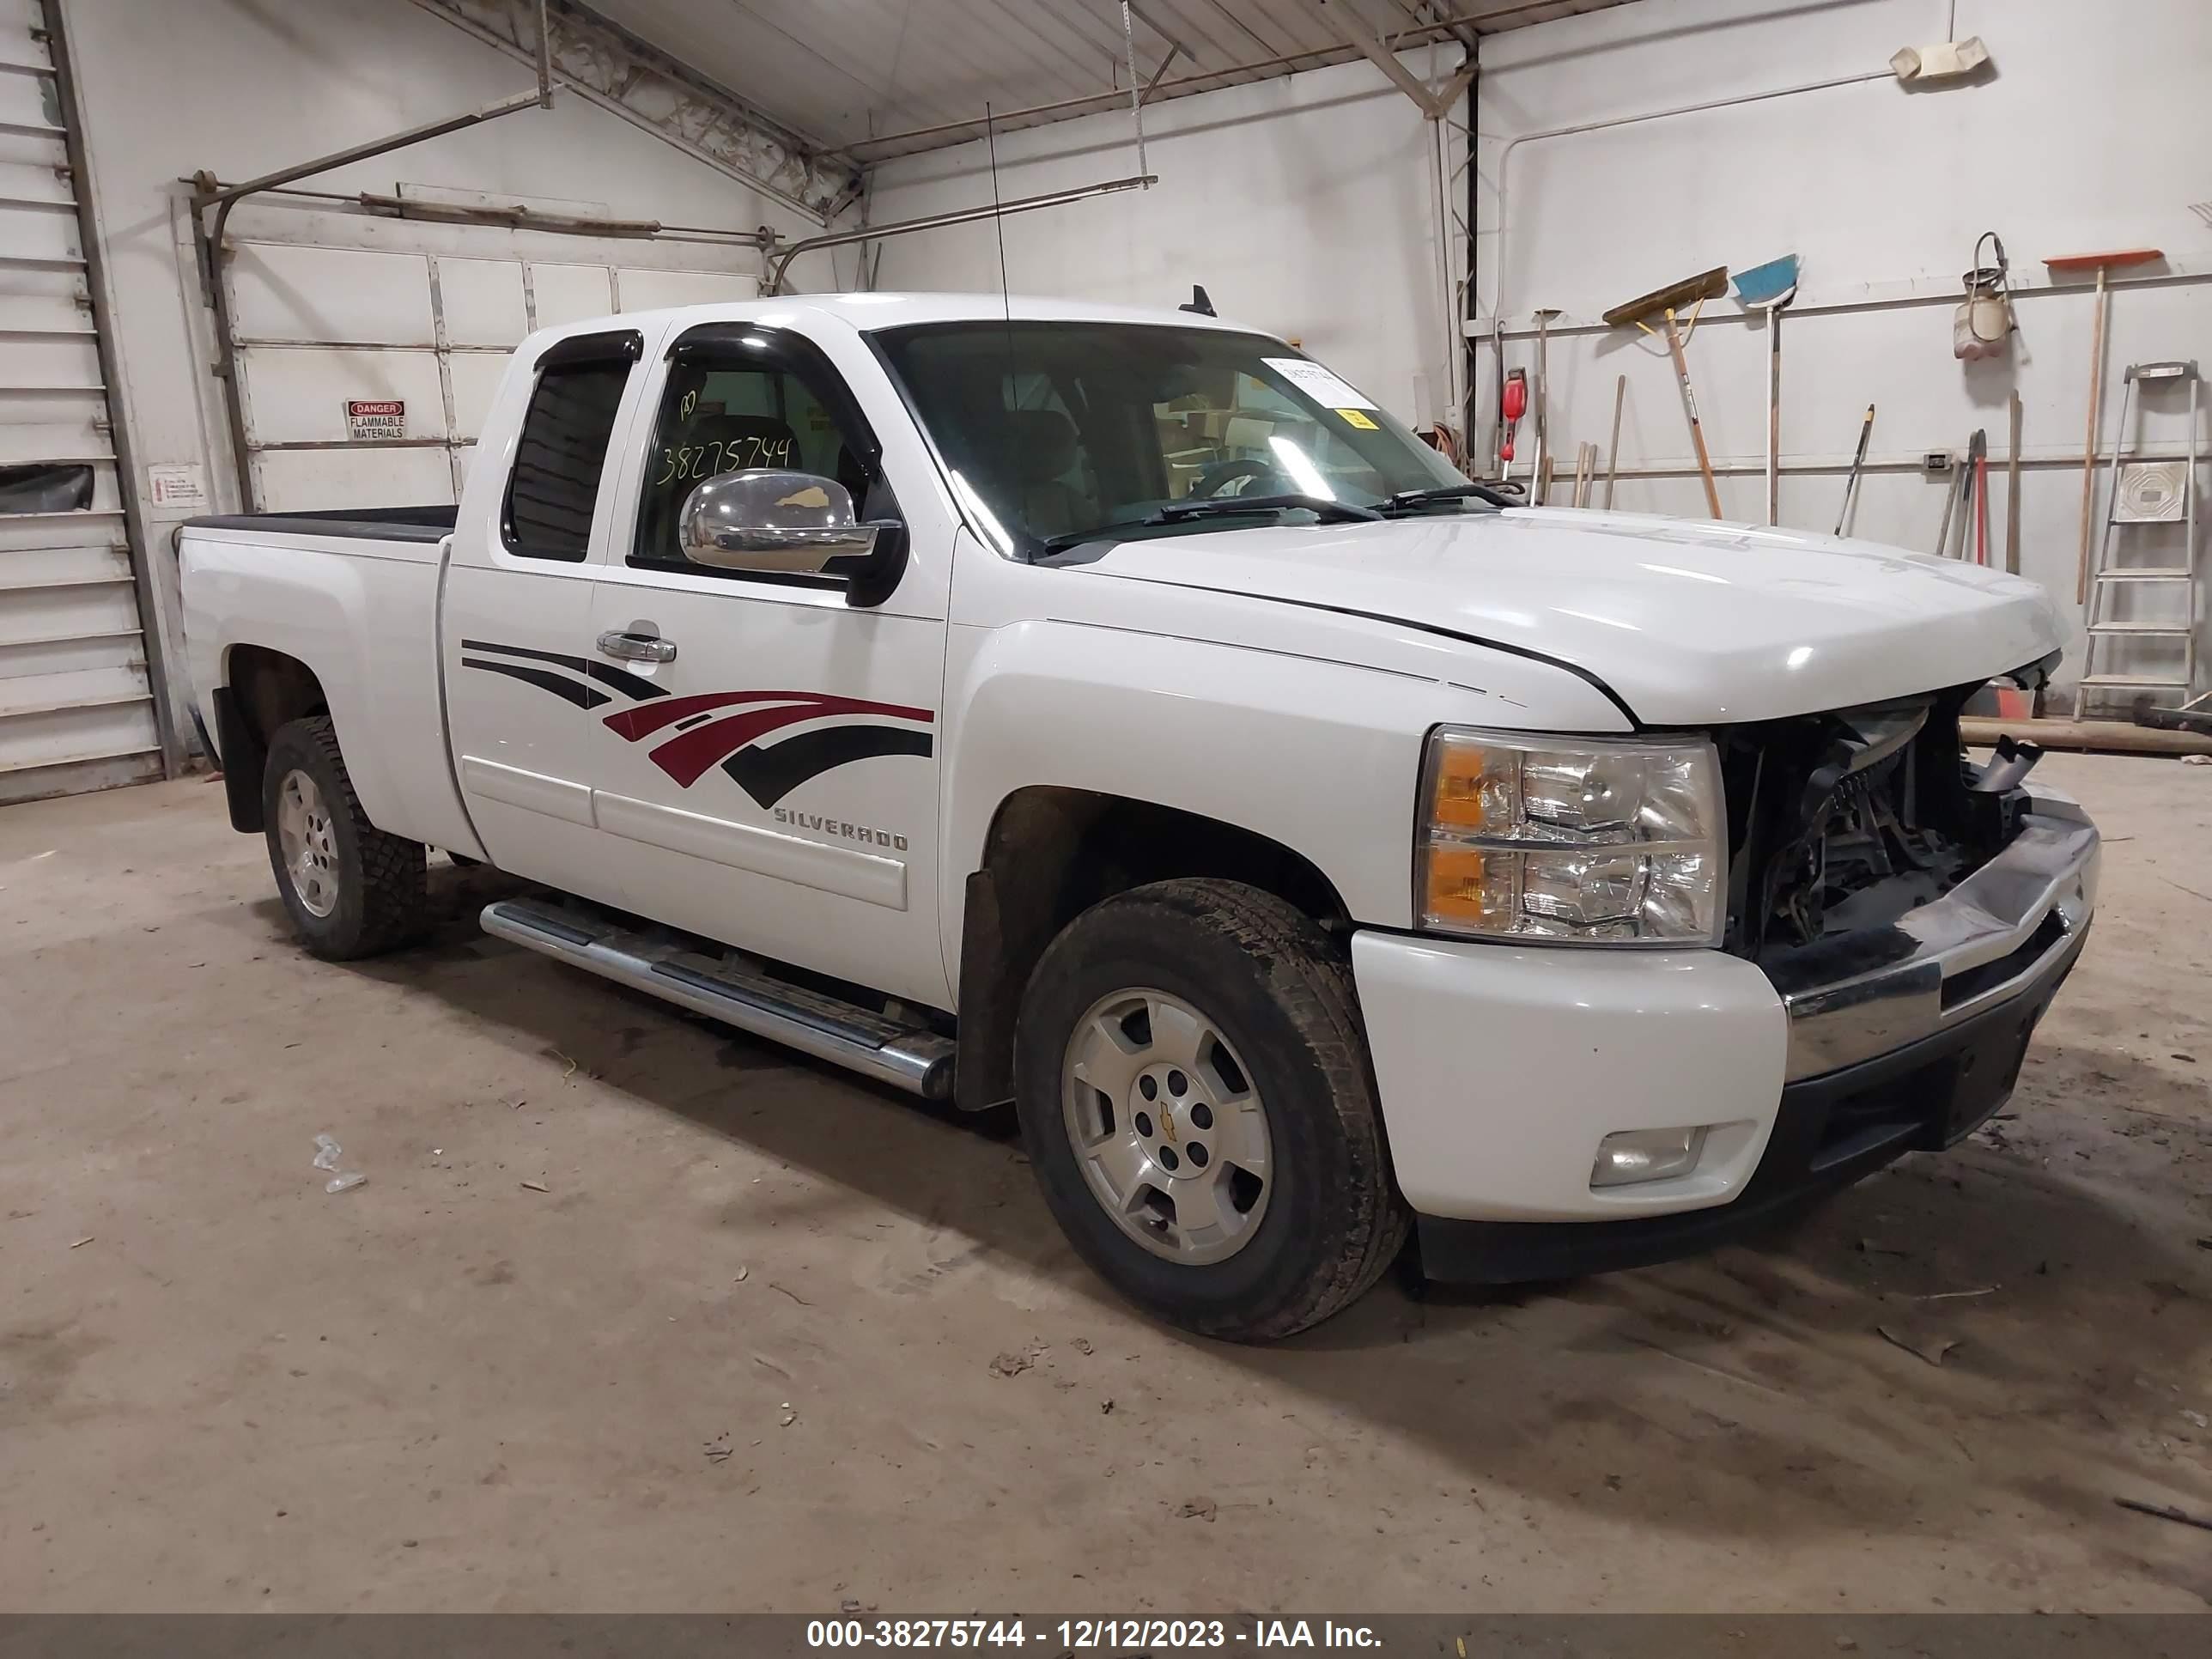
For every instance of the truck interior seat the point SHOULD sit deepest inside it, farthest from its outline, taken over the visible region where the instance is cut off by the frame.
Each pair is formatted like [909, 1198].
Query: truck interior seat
[1034, 448]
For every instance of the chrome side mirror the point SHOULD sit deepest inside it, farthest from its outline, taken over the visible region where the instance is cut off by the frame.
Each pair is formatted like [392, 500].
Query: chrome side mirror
[767, 519]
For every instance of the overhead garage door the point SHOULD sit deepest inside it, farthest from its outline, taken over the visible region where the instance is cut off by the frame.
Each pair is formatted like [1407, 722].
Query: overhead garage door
[366, 373]
[76, 703]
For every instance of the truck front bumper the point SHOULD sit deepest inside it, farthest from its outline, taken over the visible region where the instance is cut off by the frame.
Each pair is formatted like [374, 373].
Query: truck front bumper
[1501, 1068]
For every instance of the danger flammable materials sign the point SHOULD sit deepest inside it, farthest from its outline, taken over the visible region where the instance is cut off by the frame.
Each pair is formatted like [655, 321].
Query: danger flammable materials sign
[384, 417]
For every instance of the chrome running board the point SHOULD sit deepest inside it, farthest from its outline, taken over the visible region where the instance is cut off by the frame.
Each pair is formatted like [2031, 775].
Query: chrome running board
[669, 966]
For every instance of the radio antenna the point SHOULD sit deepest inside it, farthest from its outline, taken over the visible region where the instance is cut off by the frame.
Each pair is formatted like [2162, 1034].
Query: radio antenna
[1013, 395]
[999, 223]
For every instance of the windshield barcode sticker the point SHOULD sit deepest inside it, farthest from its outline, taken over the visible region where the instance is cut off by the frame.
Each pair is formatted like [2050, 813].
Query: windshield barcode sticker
[1318, 383]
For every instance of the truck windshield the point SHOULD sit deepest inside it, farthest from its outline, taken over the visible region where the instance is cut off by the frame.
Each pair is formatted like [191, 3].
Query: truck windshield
[1058, 432]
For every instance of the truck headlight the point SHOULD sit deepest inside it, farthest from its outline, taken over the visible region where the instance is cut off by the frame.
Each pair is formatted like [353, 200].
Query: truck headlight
[1579, 839]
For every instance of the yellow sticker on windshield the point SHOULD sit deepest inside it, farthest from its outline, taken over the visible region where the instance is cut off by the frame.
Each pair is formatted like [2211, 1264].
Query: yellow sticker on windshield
[1353, 417]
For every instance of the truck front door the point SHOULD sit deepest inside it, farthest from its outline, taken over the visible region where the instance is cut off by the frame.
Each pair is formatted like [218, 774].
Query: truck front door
[779, 789]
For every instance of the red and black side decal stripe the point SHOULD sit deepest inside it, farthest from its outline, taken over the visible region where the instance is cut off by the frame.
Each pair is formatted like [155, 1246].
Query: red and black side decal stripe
[686, 756]
[727, 729]
[544, 679]
[691, 752]
[769, 773]
[622, 679]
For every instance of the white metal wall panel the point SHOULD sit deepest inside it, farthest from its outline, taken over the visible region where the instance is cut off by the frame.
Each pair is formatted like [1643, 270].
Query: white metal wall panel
[281, 292]
[74, 733]
[299, 394]
[67, 689]
[62, 613]
[649, 291]
[80, 651]
[70, 358]
[39, 297]
[48, 422]
[317, 329]
[484, 302]
[77, 707]
[476, 379]
[569, 293]
[317, 326]
[300, 480]
[23, 98]
[84, 565]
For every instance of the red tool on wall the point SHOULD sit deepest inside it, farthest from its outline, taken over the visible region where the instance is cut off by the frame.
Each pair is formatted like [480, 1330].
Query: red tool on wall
[1512, 405]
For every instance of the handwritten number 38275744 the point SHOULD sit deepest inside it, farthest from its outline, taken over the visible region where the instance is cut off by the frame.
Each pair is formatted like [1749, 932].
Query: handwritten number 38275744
[690, 461]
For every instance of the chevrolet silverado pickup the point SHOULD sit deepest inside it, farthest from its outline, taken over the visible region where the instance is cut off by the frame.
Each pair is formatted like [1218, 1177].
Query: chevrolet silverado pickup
[1118, 714]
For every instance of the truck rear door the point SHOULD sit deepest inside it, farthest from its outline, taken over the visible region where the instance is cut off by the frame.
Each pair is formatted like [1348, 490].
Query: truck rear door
[523, 691]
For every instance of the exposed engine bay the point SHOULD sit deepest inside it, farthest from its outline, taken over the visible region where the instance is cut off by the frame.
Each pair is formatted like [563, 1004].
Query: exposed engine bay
[1843, 822]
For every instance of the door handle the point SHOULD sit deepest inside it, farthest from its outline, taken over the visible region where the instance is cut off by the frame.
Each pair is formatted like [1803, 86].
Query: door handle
[636, 647]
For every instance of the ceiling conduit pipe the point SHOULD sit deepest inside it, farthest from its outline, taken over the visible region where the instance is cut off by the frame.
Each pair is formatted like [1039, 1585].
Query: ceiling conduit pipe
[1505, 155]
[781, 263]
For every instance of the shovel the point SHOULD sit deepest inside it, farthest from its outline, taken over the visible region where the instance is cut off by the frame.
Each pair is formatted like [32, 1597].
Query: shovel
[1665, 302]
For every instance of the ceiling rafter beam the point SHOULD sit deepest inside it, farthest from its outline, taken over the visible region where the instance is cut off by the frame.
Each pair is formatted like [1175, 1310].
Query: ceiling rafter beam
[1159, 75]
[1176, 44]
[1434, 102]
[1437, 11]
[604, 64]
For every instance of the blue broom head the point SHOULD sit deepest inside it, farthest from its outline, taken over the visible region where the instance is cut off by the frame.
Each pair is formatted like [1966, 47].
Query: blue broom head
[1764, 285]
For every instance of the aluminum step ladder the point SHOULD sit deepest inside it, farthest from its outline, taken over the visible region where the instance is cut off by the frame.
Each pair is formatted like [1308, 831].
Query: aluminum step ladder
[2146, 493]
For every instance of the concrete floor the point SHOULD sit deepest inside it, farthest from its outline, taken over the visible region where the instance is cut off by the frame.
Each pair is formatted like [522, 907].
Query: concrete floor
[740, 1353]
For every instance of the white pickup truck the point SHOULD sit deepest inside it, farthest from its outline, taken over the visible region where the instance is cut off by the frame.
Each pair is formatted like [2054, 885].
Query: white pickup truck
[1117, 714]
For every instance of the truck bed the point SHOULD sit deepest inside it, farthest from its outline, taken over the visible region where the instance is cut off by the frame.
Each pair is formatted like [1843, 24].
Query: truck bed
[397, 524]
[352, 593]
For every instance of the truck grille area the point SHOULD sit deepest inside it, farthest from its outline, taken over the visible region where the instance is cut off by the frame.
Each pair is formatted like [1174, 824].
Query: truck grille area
[1843, 822]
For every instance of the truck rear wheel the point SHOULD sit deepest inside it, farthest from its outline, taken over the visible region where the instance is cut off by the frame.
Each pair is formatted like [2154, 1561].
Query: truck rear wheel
[351, 889]
[1195, 1096]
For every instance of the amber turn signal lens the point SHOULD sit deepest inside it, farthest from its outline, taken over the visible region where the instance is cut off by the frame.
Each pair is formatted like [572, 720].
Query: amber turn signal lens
[1460, 890]
[1465, 787]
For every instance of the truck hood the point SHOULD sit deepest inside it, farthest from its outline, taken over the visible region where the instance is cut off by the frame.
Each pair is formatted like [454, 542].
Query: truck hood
[1686, 623]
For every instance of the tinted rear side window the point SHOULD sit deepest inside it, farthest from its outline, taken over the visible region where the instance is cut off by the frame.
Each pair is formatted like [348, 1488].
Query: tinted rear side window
[559, 458]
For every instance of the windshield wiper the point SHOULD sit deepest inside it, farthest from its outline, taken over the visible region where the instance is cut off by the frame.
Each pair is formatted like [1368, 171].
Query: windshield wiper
[1224, 507]
[1402, 500]
[1216, 506]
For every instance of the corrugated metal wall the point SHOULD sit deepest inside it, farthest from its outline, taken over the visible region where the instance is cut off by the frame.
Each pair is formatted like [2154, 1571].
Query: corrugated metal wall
[77, 701]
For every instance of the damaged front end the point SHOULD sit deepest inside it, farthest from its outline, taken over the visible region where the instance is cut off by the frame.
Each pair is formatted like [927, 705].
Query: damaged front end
[1901, 897]
[1843, 822]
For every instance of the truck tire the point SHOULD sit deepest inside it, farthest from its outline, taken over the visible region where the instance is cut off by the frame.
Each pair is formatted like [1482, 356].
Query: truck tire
[1195, 1097]
[351, 889]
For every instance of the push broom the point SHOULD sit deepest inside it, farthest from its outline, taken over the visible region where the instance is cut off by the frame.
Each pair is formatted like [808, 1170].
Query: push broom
[1770, 287]
[1693, 292]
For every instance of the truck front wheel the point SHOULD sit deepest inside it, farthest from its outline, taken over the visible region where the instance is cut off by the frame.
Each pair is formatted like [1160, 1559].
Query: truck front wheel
[1195, 1097]
[351, 889]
